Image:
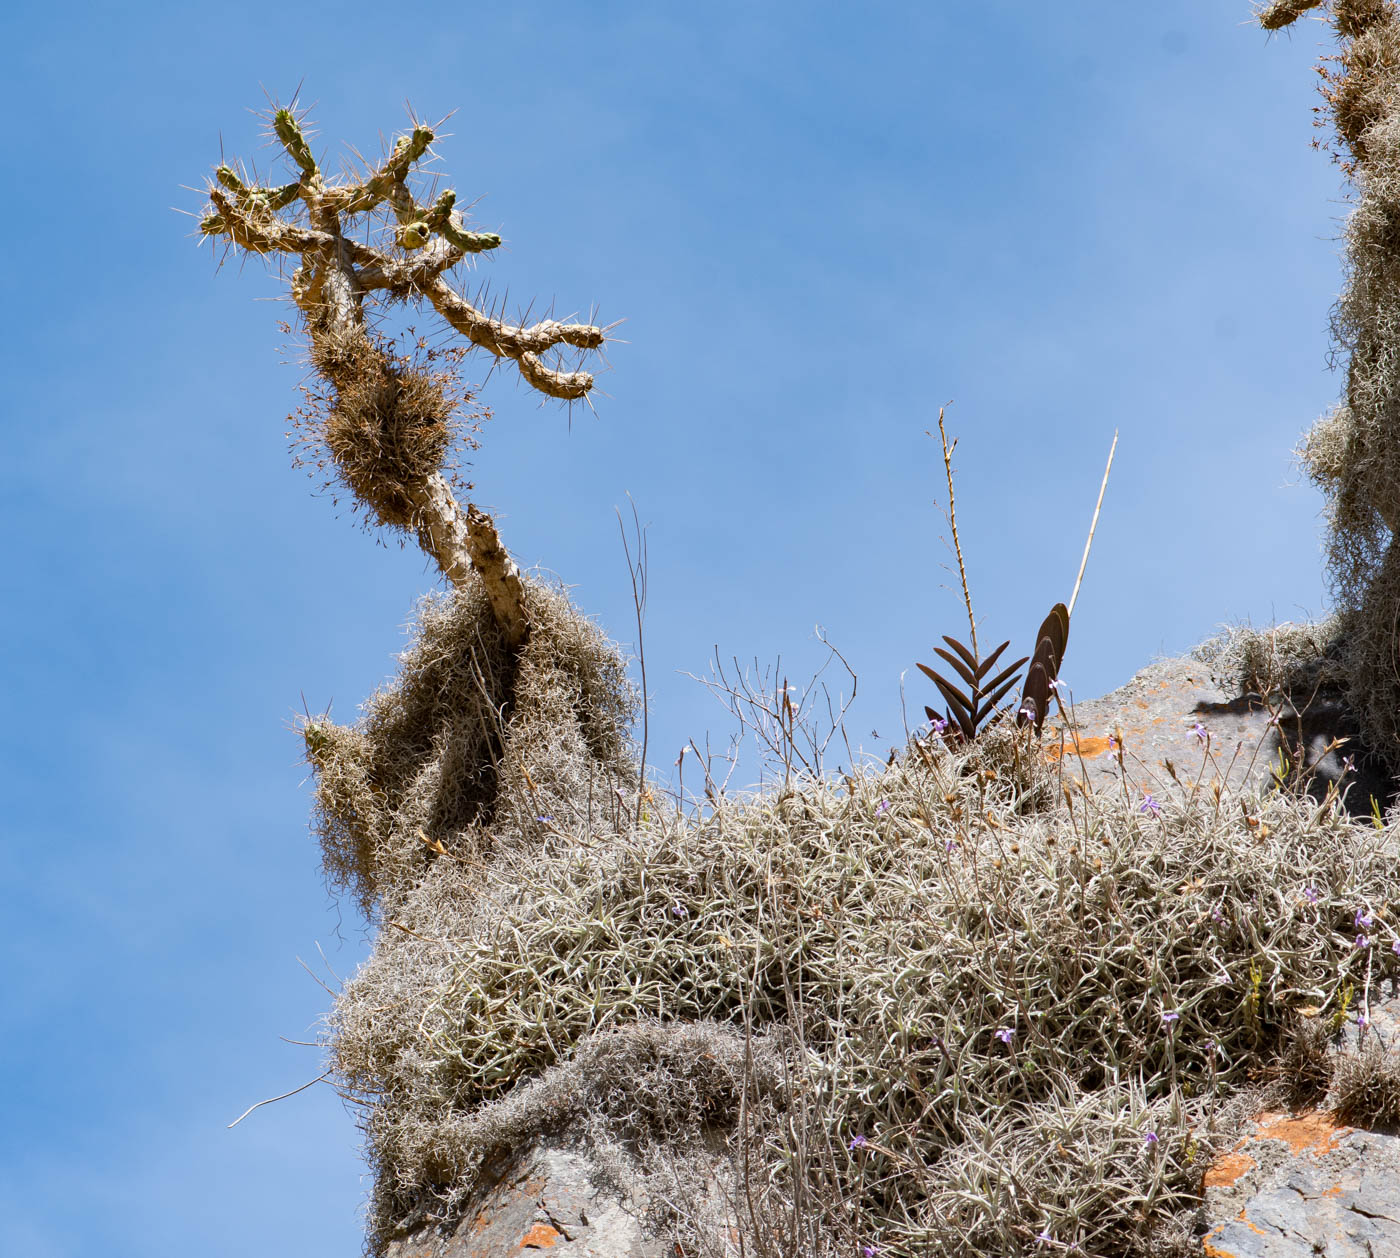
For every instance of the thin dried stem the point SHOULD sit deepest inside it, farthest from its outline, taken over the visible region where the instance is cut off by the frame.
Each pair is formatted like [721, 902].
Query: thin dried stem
[1094, 523]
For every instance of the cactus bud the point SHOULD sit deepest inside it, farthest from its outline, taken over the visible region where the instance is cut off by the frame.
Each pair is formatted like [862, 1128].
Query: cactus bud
[317, 740]
[414, 235]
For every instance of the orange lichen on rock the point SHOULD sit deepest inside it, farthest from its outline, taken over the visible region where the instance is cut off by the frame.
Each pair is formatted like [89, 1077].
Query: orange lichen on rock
[1224, 1171]
[1086, 747]
[541, 1236]
[1311, 1132]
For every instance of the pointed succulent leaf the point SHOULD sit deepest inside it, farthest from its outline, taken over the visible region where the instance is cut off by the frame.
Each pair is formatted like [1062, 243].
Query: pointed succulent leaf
[968, 675]
[1004, 680]
[962, 702]
[984, 666]
[958, 708]
[963, 651]
[1035, 696]
[989, 703]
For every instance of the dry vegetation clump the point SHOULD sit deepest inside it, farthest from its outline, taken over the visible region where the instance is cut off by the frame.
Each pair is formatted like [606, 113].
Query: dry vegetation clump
[1000, 1019]
[380, 423]
[1285, 660]
[473, 746]
[1367, 1087]
[1353, 452]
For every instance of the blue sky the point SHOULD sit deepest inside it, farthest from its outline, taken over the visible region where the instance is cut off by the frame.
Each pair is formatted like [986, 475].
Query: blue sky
[820, 221]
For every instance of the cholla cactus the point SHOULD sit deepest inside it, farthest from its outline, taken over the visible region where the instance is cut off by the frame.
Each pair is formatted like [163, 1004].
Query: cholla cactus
[384, 421]
[1353, 453]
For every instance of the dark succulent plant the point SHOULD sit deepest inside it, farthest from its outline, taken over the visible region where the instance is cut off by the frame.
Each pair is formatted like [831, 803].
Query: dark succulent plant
[1050, 642]
[972, 702]
[968, 708]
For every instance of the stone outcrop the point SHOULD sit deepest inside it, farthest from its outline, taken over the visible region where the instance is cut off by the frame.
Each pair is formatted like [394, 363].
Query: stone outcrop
[550, 1198]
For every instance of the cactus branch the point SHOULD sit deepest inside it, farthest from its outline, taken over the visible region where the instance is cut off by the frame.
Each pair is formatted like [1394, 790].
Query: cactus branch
[384, 422]
[435, 239]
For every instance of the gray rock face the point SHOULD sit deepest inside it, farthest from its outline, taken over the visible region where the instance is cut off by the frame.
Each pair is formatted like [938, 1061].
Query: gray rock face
[548, 1200]
[1306, 1187]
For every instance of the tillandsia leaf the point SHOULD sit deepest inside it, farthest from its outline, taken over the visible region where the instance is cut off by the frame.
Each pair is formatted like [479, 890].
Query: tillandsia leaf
[1051, 641]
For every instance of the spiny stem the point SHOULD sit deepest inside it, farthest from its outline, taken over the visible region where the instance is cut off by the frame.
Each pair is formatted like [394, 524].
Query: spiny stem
[953, 524]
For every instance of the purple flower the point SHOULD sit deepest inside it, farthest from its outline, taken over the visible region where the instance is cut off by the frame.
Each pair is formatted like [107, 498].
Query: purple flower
[1044, 1237]
[1362, 943]
[1363, 918]
[1169, 1018]
[1200, 731]
[1395, 947]
[1216, 915]
[1005, 1034]
[546, 818]
[938, 724]
[1149, 804]
[857, 1142]
[869, 1251]
[680, 910]
[1362, 1021]
[1310, 894]
[950, 846]
[1149, 1137]
[883, 806]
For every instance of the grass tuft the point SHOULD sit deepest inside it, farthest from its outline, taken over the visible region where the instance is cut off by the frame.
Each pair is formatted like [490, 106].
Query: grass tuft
[1367, 1087]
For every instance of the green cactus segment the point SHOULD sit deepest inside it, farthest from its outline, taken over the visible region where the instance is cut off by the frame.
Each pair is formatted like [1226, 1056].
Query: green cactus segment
[444, 220]
[407, 150]
[227, 176]
[469, 242]
[289, 132]
[213, 225]
[259, 198]
[280, 198]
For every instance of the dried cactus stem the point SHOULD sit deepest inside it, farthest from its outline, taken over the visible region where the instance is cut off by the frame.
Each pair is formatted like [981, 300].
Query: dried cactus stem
[1281, 13]
[466, 546]
[499, 575]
